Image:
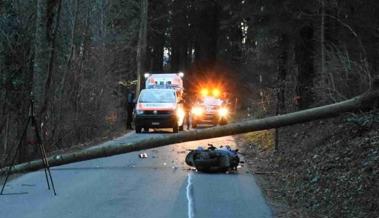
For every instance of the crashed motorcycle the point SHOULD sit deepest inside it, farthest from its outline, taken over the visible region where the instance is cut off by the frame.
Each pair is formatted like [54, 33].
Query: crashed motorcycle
[213, 159]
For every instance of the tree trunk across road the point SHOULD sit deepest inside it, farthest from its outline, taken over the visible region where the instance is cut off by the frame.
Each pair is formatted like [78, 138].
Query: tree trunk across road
[369, 99]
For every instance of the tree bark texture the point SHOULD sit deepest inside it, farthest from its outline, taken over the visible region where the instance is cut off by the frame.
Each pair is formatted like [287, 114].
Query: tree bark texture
[305, 62]
[156, 34]
[282, 74]
[368, 100]
[54, 11]
[40, 63]
[180, 37]
[322, 38]
[206, 33]
[142, 43]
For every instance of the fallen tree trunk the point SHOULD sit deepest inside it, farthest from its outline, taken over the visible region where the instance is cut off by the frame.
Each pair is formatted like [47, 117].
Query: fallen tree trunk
[368, 100]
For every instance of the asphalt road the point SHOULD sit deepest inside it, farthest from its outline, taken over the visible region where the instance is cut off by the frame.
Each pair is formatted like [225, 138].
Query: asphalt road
[161, 185]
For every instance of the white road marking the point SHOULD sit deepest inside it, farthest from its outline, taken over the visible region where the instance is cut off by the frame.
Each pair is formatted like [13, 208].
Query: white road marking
[189, 196]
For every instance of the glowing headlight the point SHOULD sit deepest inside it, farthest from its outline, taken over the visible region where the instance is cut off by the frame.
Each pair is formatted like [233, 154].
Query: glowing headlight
[180, 113]
[197, 111]
[223, 112]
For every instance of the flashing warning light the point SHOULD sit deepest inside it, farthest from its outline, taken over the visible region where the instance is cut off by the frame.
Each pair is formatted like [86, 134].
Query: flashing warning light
[146, 75]
[216, 92]
[204, 92]
[181, 74]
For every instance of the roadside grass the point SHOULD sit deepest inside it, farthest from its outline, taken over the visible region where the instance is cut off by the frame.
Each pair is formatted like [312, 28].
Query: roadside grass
[263, 140]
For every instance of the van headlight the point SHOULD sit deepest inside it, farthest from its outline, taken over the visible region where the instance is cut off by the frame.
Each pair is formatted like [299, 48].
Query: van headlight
[223, 112]
[197, 111]
[180, 113]
[138, 112]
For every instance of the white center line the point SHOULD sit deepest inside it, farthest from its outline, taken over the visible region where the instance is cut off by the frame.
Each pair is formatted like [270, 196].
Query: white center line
[189, 196]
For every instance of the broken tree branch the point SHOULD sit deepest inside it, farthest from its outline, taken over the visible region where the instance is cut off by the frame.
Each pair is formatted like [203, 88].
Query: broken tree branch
[367, 100]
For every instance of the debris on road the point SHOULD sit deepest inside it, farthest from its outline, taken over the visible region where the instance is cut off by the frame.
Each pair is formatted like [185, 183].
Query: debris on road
[142, 155]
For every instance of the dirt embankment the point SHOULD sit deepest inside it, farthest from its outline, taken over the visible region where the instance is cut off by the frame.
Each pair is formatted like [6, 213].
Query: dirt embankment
[322, 169]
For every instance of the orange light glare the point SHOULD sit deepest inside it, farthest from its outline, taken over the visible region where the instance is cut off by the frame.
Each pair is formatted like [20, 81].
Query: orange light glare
[204, 92]
[216, 92]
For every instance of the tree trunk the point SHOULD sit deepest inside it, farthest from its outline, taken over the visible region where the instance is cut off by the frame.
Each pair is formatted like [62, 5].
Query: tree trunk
[282, 74]
[368, 100]
[206, 30]
[72, 48]
[322, 37]
[304, 53]
[141, 47]
[79, 76]
[157, 34]
[282, 71]
[179, 36]
[6, 134]
[40, 53]
[52, 49]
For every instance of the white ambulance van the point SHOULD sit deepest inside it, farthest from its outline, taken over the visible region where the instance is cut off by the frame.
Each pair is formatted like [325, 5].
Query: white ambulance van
[160, 104]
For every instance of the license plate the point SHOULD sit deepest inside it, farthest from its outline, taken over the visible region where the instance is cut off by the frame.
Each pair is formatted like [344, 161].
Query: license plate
[155, 123]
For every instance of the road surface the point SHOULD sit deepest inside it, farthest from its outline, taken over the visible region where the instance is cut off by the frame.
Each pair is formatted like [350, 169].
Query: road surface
[161, 186]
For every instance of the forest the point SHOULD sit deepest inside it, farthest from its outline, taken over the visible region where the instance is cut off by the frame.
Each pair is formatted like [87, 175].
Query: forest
[79, 59]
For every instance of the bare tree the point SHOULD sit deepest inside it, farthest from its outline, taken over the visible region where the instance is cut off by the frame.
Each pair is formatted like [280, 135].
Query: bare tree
[142, 43]
[40, 53]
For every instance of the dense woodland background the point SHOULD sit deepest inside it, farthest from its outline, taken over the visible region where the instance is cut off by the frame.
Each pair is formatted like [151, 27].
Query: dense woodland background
[81, 57]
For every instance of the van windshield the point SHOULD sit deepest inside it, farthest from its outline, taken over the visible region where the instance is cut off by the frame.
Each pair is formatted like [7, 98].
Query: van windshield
[157, 96]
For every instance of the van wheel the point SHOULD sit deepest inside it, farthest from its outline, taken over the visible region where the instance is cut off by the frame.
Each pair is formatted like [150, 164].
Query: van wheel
[138, 129]
[175, 129]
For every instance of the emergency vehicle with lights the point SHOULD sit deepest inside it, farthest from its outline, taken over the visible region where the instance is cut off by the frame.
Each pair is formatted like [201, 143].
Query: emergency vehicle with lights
[160, 104]
[209, 108]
